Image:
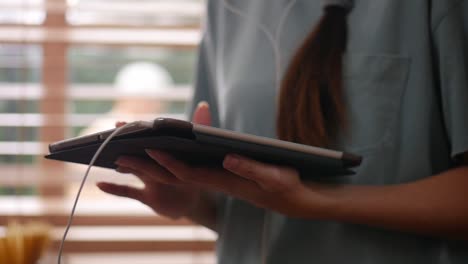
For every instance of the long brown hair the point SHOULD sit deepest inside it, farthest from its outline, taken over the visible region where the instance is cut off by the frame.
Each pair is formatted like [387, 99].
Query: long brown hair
[311, 105]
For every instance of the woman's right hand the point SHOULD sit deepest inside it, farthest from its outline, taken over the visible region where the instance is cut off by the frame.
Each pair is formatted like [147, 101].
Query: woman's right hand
[162, 191]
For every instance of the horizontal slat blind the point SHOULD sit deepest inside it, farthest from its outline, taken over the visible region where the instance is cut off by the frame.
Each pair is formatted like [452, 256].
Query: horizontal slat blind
[61, 68]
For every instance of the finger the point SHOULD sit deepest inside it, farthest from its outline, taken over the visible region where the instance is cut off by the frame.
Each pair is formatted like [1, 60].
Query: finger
[124, 170]
[140, 175]
[146, 170]
[202, 114]
[271, 178]
[207, 178]
[175, 167]
[121, 190]
[120, 123]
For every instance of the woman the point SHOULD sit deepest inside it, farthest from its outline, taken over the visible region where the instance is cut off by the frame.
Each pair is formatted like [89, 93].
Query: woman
[394, 91]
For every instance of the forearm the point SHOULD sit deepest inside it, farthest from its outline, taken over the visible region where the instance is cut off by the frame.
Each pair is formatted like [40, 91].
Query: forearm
[434, 206]
[205, 212]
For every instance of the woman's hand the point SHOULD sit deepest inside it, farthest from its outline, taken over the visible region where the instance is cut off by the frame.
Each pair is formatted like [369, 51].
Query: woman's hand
[404, 207]
[174, 188]
[165, 194]
[277, 188]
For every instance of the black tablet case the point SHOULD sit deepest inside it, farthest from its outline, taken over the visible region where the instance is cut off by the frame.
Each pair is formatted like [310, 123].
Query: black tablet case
[201, 150]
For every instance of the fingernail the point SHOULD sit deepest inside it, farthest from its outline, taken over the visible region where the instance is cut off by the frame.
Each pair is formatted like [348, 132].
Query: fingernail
[157, 154]
[152, 153]
[203, 104]
[119, 169]
[101, 185]
[231, 161]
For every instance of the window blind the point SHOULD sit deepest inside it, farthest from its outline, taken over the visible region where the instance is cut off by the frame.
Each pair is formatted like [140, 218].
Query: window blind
[65, 68]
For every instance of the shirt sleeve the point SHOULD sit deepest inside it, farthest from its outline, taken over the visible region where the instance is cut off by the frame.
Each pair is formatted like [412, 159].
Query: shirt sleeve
[205, 76]
[451, 52]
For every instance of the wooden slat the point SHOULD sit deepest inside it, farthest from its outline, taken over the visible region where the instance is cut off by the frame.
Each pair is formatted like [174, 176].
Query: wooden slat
[155, 8]
[134, 246]
[169, 38]
[112, 26]
[22, 148]
[102, 207]
[71, 120]
[134, 239]
[31, 91]
[141, 258]
[95, 220]
[137, 239]
[19, 175]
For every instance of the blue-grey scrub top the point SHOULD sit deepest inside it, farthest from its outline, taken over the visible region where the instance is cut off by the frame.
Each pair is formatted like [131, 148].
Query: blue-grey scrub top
[406, 86]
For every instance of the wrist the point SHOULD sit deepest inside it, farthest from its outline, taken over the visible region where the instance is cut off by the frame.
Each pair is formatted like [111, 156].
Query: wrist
[195, 207]
[322, 201]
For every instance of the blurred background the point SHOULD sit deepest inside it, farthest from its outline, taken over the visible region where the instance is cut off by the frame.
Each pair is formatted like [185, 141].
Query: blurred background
[70, 67]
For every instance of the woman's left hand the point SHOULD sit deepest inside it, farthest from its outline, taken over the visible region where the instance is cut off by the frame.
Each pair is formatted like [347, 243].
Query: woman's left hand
[404, 207]
[274, 187]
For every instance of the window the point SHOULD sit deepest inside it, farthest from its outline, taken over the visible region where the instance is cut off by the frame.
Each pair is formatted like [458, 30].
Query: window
[67, 67]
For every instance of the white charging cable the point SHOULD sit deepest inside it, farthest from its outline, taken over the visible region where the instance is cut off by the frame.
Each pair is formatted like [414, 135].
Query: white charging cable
[93, 160]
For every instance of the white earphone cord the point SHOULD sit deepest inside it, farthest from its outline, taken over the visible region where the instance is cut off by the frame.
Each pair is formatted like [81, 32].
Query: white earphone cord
[93, 160]
[273, 38]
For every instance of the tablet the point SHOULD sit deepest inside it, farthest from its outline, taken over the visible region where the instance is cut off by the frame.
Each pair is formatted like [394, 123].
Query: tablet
[200, 145]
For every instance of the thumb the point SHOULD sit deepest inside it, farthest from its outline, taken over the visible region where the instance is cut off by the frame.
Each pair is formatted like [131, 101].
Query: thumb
[202, 114]
[120, 123]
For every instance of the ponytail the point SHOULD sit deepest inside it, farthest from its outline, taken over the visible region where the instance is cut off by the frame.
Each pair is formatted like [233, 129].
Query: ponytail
[311, 104]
